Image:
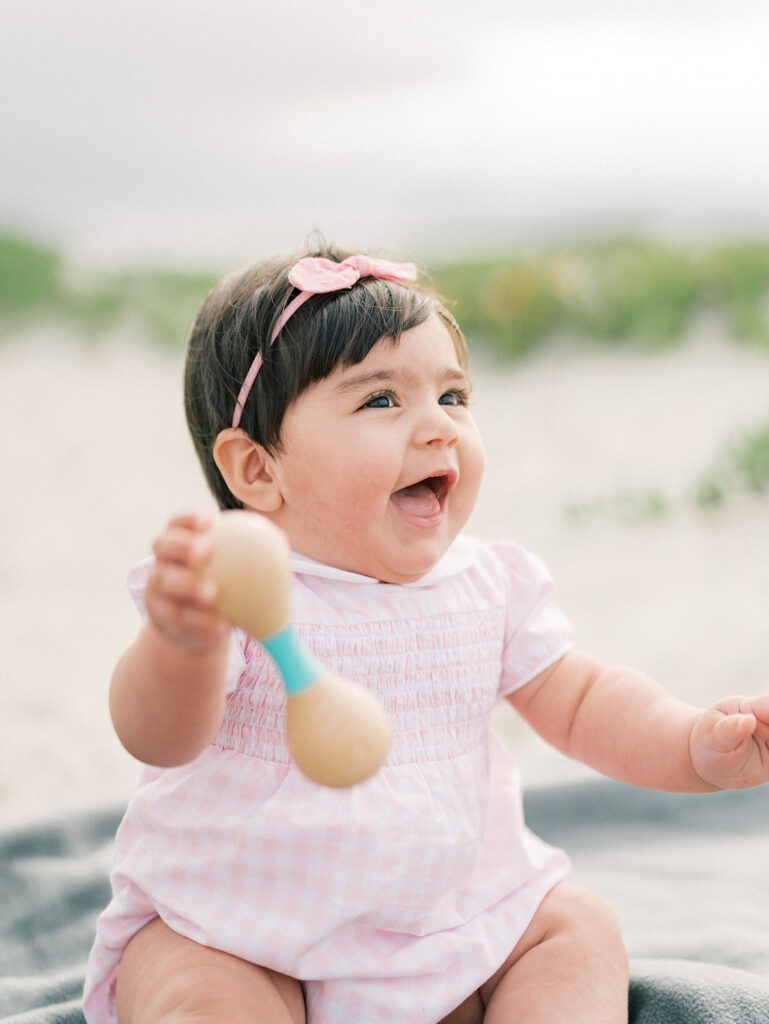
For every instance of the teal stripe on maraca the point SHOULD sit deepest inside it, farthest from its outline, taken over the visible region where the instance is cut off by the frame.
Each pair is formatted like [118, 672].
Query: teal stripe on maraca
[298, 669]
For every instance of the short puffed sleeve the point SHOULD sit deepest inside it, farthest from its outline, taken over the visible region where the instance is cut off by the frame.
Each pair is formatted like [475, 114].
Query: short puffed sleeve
[236, 660]
[537, 632]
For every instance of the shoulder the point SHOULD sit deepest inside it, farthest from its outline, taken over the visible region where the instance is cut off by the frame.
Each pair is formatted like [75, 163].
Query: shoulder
[521, 582]
[507, 563]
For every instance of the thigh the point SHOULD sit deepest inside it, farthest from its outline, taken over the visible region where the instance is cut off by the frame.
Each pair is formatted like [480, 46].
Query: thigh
[570, 964]
[166, 977]
[561, 907]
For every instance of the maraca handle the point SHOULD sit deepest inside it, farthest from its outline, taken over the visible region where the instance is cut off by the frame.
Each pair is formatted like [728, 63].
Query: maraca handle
[298, 669]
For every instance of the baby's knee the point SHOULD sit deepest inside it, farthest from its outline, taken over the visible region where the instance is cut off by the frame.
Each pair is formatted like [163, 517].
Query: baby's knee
[205, 995]
[582, 915]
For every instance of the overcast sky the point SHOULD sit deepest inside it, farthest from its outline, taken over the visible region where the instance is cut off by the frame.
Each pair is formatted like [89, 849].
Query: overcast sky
[232, 128]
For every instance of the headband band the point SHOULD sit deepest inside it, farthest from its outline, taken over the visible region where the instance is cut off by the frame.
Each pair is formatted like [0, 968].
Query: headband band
[315, 275]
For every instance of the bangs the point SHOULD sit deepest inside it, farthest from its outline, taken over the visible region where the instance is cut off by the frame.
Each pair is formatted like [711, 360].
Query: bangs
[341, 328]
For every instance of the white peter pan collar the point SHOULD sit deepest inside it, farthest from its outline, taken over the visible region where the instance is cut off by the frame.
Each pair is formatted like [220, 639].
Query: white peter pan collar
[458, 558]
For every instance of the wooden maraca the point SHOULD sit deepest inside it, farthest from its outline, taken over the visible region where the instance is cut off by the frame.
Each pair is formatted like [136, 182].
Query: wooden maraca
[337, 732]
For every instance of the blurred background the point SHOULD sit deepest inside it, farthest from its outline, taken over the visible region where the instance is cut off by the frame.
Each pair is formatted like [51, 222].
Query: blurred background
[588, 182]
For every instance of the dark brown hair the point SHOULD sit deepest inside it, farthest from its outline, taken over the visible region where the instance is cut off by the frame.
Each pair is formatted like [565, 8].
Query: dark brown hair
[336, 329]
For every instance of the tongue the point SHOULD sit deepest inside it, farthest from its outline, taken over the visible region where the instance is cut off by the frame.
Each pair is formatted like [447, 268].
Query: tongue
[417, 500]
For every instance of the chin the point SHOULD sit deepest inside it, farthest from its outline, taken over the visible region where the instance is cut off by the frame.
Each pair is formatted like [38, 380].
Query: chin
[396, 578]
[410, 569]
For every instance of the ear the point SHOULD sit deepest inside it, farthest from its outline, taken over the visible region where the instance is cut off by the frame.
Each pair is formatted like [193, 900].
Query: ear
[247, 469]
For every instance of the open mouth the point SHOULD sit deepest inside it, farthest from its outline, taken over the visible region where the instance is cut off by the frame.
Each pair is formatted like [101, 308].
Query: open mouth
[424, 499]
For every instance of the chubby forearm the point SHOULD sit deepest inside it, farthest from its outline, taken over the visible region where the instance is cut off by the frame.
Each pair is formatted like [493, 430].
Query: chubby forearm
[632, 729]
[167, 703]
[616, 720]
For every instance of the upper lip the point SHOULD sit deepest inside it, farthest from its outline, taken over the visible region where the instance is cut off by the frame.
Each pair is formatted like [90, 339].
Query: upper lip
[440, 482]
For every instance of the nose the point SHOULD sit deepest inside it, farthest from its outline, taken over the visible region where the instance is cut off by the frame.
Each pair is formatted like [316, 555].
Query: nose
[436, 427]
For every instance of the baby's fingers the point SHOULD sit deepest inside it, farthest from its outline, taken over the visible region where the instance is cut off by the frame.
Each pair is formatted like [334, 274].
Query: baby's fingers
[731, 731]
[760, 708]
[183, 546]
[171, 581]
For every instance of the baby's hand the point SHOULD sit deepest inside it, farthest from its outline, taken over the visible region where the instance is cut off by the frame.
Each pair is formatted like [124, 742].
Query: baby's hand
[729, 743]
[179, 598]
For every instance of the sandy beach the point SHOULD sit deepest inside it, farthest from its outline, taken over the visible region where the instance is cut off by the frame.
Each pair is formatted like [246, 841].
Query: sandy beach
[96, 457]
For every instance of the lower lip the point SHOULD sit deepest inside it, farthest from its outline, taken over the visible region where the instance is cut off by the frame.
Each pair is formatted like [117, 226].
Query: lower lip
[425, 522]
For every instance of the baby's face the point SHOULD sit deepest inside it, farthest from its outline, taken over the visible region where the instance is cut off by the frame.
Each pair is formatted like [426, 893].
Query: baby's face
[382, 461]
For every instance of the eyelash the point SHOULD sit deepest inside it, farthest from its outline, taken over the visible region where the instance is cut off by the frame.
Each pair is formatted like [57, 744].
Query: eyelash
[462, 398]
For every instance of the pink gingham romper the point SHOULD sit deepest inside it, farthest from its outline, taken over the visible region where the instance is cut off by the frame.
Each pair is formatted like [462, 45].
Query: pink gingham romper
[393, 900]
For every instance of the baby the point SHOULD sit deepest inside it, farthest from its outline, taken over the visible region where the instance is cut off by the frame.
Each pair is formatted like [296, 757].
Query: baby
[331, 395]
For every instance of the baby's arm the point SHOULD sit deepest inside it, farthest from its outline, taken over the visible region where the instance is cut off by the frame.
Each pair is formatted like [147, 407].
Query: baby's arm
[627, 726]
[168, 690]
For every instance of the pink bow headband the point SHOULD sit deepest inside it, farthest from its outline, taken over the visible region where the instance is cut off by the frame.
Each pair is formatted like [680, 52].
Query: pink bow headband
[315, 275]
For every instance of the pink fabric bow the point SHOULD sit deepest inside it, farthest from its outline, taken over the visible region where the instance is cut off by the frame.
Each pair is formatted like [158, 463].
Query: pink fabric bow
[315, 275]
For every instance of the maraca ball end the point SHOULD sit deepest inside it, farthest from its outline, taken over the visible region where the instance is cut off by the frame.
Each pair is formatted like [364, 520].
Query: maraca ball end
[338, 733]
[250, 564]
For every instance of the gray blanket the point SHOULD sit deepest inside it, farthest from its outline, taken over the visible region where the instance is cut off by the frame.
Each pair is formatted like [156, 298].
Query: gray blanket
[688, 876]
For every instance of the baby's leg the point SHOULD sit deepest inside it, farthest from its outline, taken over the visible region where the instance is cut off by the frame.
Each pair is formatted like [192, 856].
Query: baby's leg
[569, 966]
[164, 977]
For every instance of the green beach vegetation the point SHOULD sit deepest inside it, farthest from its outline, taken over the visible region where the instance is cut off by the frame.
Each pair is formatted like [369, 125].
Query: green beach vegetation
[609, 291]
[38, 283]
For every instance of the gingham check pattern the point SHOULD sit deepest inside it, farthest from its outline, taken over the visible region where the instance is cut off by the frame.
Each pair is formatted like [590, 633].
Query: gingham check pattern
[393, 900]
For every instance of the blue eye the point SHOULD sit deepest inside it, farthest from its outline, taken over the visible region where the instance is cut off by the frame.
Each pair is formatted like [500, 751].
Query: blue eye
[457, 397]
[382, 400]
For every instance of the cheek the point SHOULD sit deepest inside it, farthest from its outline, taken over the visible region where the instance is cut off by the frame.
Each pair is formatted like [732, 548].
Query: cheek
[474, 461]
[480, 462]
[344, 494]
[360, 489]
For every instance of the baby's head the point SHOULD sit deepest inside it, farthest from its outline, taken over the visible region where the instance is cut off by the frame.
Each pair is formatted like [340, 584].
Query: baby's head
[335, 329]
[336, 404]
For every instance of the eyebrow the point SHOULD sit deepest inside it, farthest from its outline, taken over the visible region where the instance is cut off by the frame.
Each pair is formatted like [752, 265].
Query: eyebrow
[361, 381]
